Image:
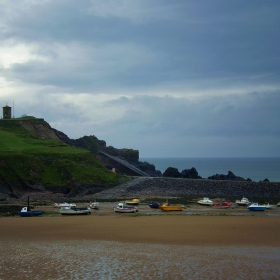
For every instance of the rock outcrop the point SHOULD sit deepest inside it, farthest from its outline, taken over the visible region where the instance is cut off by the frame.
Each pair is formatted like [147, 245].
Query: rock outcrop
[230, 177]
[186, 173]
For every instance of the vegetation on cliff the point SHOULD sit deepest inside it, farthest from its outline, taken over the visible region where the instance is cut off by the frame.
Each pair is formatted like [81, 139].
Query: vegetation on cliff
[31, 155]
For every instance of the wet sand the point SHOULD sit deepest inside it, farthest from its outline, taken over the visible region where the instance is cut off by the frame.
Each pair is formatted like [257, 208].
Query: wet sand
[165, 229]
[106, 245]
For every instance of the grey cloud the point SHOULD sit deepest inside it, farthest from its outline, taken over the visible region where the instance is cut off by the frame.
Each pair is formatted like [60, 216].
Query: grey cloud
[196, 42]
[216, 61]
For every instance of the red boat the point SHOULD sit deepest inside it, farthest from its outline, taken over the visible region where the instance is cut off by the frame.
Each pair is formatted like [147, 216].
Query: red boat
[221, 205]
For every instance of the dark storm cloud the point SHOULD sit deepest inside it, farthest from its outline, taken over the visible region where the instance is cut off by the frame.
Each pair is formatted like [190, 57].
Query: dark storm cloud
[186, 42]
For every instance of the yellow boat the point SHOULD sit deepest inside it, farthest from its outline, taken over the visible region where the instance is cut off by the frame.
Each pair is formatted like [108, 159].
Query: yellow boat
[166, 207]
[134, 201]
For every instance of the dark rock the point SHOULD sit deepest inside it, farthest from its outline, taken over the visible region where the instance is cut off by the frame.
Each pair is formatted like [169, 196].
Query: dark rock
[172, 172]
[230, 176]
[265, 180]
[190, 173]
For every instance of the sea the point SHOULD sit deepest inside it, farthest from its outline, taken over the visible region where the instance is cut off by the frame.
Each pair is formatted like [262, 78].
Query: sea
[257, 168]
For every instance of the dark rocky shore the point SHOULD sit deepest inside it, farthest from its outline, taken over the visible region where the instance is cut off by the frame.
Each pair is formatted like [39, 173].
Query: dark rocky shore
[150, 187]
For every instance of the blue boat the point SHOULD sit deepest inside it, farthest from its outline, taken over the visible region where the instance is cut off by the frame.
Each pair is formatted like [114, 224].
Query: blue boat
[26, 212]
[154, 205]
[255, 206]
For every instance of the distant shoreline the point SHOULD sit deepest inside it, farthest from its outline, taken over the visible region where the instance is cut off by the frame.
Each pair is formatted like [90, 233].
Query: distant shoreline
[255, 168]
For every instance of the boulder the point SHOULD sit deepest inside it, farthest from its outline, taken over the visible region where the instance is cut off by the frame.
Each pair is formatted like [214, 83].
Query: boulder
[172, 172]
[190, 173]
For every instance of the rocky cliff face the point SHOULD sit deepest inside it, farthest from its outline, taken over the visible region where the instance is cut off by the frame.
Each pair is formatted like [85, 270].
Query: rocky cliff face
[127, 158]
[42, 128]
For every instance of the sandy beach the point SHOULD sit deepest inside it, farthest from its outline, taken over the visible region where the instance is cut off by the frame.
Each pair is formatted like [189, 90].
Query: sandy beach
[111, 246]
[174, 229]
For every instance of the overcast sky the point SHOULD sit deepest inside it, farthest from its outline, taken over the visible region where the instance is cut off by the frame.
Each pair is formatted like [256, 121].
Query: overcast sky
[190, 78]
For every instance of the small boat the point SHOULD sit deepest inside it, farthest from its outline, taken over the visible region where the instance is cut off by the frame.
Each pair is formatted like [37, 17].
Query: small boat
[73, 210]
[134, 201]
[270, 206]
[205, 201]
[121, 208]
[166, 207]
[254, 206]
[154, 205]
[278, 204]
[63, 204]
[221, 205]
[26, 212]
[243, 202]
[94, 205]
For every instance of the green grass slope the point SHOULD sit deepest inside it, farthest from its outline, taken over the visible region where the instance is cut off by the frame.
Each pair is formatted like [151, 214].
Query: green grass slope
[27, 158]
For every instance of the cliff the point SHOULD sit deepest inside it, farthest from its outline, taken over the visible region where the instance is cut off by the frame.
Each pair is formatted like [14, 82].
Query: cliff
[33, 158]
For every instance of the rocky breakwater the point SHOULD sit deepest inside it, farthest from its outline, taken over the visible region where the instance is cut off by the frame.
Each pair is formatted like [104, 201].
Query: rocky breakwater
[150, 187]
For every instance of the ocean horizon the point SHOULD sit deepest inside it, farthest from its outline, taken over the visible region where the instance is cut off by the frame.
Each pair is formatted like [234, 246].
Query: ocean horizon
[257, 169]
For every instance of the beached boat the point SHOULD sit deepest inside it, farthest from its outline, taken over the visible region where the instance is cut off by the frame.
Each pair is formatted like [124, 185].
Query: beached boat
[63, 204]
[205, 201]
[223, 205]
[121, 208]
[154, 205]
[243, 202]
[270, 206]
[255, 206]
[26, 212]
[29, 213]
[73, 210]
[94, 205]
[134, 201]
[166, 207]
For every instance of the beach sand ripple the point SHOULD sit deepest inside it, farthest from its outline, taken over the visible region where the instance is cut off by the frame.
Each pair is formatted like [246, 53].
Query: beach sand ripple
[92, 259]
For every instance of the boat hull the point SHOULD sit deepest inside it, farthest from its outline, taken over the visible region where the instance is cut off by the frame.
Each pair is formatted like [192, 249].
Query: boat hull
[75, 211]
[257, 208]
[172, 208]
[221, 205]
[30, 213]
[154, 205]
[205, 203]
[134, 201]
[94, 205]
[243, 202]
[125, 210]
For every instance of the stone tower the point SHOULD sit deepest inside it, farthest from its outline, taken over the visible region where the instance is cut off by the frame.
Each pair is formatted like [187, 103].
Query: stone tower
[7, 112]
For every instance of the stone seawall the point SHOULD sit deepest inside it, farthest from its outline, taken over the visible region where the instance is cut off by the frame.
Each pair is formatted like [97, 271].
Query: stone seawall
[146, 187]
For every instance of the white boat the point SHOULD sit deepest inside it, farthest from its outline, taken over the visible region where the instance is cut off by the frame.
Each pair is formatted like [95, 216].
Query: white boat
[243, 202]
[255, 206]
[278, 204]
[63, 204]
[72, 210]
[205, 201]
[94, 205]
[121, 208]
[270, 206]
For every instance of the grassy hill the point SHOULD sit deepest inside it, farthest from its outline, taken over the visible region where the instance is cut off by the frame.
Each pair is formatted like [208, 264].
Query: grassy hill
[31, 155]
